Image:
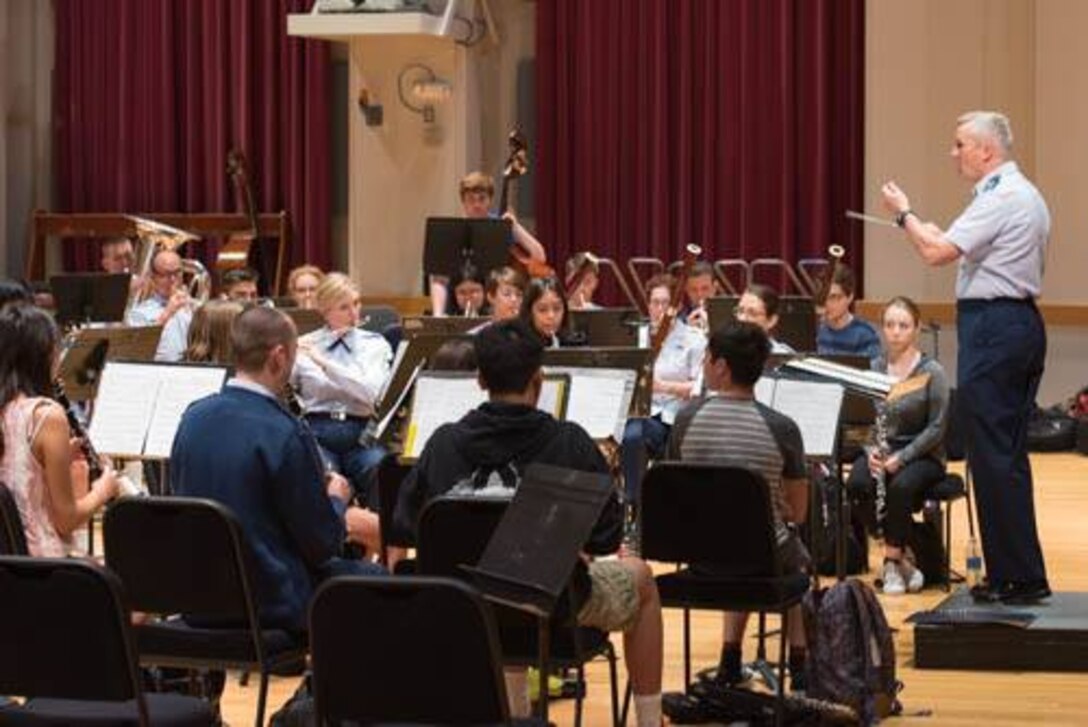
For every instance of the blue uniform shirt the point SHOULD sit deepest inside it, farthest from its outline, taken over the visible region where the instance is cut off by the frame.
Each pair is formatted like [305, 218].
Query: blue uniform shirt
[1002, 235]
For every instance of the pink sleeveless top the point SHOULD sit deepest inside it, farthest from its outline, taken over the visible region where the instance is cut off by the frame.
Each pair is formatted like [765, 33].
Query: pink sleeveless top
[25, 477]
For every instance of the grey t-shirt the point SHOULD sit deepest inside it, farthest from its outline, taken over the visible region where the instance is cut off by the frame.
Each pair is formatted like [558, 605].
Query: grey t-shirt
[742, 433]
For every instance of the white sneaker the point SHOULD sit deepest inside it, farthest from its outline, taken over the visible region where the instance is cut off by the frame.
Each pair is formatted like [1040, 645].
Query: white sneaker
[913, 575]
[894, 585]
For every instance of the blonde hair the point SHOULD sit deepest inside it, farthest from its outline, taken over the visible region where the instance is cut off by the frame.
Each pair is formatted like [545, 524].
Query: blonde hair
[477, 181]
[301, 270]
[332, 288]
[209, 332]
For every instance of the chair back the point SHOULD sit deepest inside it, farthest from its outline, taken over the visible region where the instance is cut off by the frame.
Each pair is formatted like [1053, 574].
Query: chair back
[454, 531]
[404, 650]
[709, 515]
[65, 632]
[181, 555]
[12, 535]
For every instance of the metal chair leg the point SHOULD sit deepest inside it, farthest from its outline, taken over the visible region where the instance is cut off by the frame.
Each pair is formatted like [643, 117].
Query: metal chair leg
[611, 654]
[262, 696]
[780, 693]
[579, 696]
[947, 547]
[687, 649]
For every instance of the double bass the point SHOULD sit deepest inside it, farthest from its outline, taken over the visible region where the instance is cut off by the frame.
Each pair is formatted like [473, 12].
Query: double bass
[517, 164]
[234, 253]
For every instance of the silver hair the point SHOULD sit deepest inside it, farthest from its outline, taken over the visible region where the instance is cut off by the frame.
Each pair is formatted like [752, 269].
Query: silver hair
[991, 124]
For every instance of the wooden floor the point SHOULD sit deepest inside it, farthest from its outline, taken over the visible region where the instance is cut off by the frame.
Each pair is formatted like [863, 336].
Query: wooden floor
[930, 697]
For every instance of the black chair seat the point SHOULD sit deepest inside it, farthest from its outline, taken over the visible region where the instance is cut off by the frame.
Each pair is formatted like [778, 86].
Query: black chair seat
[949, 489]
[688, 589]
[166, 710]
[179, 640]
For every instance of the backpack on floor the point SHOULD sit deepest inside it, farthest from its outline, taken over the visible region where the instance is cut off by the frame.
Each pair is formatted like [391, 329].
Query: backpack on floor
[1051, 430]
[851, 655]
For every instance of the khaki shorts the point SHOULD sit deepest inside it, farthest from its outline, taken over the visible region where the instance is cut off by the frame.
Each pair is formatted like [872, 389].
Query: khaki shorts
[613, 597]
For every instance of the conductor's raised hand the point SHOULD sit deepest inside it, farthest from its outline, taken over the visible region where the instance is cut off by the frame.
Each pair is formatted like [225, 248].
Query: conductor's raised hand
[894, 199]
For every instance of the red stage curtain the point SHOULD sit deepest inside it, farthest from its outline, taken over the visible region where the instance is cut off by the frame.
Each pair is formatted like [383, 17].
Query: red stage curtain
[735, 125]
[151, 94]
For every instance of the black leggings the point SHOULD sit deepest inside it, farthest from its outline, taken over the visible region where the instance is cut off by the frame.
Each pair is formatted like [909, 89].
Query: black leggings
[905, 492]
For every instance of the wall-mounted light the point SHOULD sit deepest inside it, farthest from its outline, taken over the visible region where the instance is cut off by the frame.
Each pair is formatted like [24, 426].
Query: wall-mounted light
[417, 82]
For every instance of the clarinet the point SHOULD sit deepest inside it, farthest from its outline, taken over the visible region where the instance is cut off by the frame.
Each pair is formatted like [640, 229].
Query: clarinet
[881, 449]
[94, 461]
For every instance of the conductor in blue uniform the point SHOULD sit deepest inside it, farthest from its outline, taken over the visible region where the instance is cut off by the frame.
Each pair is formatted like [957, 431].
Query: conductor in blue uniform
[1000, 241]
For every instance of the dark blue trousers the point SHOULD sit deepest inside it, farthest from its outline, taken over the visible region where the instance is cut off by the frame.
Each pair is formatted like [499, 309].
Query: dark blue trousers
[339, 442]
[643, 439]
[1002, 347]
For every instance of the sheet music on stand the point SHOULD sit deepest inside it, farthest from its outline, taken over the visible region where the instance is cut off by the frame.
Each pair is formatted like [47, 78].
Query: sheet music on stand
[813, 405]
[410, 356]
[600, 399]
[87, 350]
[139, 405]
[444, 397]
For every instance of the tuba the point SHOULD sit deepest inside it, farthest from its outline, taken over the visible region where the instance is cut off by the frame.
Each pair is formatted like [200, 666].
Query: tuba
[155, 236]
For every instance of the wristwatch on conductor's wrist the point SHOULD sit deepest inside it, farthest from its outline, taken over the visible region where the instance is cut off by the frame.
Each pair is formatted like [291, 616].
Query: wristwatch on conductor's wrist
[901, 218]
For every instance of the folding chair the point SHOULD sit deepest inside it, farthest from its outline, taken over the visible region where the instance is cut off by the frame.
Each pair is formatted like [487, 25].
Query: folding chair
[69, 650]
[188, 556]
[719, 521]
[405, 649]
[454, 532]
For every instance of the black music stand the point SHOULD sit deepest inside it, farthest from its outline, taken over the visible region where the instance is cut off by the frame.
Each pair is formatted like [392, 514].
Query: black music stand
[797, 322]
[306, 320]
[90, 297]
[439, 325]
[450, 242]
[608, 326]
[720, 309]
[530, 558]
[796, 318]
[88, 349]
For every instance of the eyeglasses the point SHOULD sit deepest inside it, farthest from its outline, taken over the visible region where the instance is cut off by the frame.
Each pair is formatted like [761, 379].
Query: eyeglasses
[167, 273]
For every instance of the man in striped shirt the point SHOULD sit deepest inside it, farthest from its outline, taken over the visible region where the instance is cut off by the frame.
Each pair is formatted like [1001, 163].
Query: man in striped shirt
[730, 427]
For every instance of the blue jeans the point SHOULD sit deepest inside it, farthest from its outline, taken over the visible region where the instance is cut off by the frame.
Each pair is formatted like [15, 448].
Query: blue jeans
[643, 438]
[340, 448]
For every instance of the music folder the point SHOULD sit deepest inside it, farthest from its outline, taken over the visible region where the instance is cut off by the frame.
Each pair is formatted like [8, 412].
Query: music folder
[531, 555]
[452, 241]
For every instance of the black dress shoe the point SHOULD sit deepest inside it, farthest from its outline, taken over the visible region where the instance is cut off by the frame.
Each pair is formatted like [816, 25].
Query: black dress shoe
[1014, 592]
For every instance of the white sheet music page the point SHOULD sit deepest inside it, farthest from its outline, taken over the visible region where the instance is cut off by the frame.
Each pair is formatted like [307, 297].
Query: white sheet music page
[764, 390]
[123, 408]
[599, 399]
[179, 386]
[439, 400]
[550, 396]
[815, 407]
